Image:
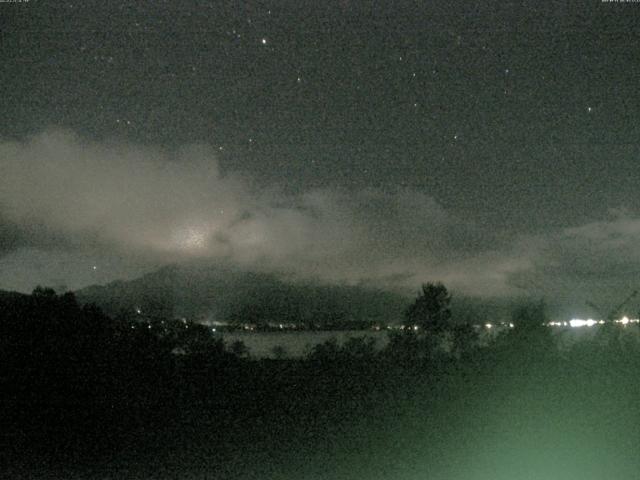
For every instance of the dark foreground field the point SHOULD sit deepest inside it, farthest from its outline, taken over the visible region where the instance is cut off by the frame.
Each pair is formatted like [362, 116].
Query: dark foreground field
[86, 397]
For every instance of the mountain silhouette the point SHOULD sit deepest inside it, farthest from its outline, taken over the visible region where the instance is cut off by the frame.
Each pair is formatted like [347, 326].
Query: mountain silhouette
[222, 293]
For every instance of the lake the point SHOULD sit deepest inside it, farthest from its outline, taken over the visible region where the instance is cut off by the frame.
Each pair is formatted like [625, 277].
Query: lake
[300, 343]
[297, 344]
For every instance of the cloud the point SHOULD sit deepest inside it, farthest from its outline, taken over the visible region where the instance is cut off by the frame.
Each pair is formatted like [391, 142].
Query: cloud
[64, 198]
[26, 267]
[120, 194]
[598, 261]
[177, 205]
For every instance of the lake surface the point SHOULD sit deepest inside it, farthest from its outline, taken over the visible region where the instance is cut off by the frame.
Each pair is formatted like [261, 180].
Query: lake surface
[297, 344]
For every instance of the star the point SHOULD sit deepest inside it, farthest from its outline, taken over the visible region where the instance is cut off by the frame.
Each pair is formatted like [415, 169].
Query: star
[264, 41]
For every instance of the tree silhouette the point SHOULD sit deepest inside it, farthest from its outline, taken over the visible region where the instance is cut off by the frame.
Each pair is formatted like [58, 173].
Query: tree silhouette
[530, 329]
[326, 352]
[431, 310]
[239, 349]
[360, 348]
[530, 317]
[279, 352]
[44, 292]
[465, 340]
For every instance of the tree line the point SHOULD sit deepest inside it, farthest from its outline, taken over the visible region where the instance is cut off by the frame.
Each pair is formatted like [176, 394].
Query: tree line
[77, 383]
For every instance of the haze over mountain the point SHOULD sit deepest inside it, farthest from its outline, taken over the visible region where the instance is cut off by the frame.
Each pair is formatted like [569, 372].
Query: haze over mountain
[223, 293]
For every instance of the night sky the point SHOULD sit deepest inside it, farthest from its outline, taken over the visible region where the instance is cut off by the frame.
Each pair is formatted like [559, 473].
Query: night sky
[490, 146]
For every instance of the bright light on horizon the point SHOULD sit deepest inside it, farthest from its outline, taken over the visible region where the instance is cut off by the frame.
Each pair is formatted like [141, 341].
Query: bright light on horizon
[579, 322]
